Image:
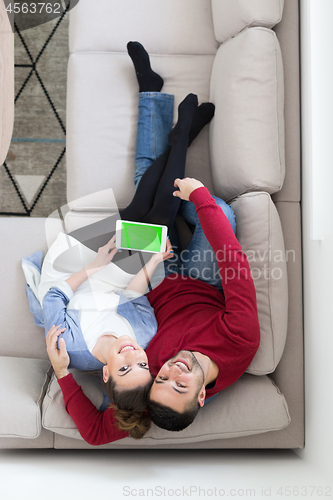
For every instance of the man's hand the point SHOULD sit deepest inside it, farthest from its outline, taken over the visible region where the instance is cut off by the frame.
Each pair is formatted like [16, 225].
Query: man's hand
[186, 186]
[59, 358]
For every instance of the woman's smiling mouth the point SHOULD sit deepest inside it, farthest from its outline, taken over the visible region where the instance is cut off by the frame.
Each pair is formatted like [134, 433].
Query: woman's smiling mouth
[127, 347]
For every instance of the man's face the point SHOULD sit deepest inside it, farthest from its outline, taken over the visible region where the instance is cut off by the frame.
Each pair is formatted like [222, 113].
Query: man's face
[177, 383]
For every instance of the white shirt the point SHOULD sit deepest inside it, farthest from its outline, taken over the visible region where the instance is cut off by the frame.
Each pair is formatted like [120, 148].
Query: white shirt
[95, 299]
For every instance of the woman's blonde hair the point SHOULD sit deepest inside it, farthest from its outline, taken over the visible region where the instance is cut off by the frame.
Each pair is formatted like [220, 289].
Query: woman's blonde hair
[130, 407]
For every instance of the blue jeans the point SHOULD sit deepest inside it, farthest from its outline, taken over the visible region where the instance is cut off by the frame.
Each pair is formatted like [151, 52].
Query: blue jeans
[154, 124]
[197, 260]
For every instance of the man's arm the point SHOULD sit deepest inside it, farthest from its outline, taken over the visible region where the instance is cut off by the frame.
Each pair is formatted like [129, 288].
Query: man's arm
[95, 427]
[240, 297]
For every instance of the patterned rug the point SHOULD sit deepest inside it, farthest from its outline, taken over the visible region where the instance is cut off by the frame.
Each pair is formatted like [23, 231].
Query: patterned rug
[33, 177]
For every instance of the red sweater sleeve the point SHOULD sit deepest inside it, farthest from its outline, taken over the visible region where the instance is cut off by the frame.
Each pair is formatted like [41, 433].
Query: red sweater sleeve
[241, 316]
[95, 427]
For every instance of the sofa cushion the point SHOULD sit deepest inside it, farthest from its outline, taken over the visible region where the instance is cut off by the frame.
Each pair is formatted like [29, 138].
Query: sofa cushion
[77, 219]
[162, 29]
[23, 384]
[102, 114]
[232, 16]
[259, 231]
[250, 406]
[99, 201]
[247, 132]
[20, 336]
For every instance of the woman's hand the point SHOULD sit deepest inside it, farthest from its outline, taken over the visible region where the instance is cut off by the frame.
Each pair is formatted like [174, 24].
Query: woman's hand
[140, 281]
[104, 255]
[161, 256]
[186, 187]
[59, 358]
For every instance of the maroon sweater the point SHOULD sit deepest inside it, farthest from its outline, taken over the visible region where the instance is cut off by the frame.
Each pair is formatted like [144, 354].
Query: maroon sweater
[195, 316]
[191, 315]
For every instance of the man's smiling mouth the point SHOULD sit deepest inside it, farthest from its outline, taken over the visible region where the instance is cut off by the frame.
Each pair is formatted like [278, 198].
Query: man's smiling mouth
[181, 363]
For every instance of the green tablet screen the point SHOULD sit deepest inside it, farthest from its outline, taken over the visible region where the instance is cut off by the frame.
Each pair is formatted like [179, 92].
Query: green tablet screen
[140, 237]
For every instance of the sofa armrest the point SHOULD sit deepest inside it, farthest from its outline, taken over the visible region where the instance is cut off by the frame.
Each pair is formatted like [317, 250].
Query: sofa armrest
[23, 386]
[232, 16]
[247, 132]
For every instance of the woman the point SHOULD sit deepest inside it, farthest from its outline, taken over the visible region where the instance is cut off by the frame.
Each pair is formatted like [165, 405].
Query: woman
[90, 343]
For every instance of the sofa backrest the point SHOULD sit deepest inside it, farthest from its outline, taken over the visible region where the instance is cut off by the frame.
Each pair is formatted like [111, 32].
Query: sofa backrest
[232, 16]
[184, 54]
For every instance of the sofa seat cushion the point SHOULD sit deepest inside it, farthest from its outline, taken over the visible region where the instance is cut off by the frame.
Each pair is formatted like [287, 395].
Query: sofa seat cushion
[172, 27]
[250, 406]
[20, 336]
[232, 16]
[247, 132]
[23, 384]
[77, 219]
[259, 231]
[102, 119]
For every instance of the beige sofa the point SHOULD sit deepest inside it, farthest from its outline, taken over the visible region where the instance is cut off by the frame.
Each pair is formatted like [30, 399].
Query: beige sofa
[226, 52]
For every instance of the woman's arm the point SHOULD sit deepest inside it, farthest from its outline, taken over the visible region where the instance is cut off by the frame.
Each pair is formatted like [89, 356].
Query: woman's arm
[55, 307]
[141, 280]
[96, 427]
[103, 258]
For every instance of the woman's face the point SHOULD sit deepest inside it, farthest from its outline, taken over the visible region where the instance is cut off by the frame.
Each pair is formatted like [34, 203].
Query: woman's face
[127, 364]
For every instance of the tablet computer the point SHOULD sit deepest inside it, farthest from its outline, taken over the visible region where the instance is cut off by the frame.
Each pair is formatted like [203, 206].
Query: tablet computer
[141, 236]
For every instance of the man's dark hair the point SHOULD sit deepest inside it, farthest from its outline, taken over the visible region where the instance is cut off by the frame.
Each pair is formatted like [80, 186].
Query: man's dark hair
[169, 419]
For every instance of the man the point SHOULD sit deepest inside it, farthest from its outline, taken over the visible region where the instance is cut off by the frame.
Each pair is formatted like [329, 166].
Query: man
[205, 341]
